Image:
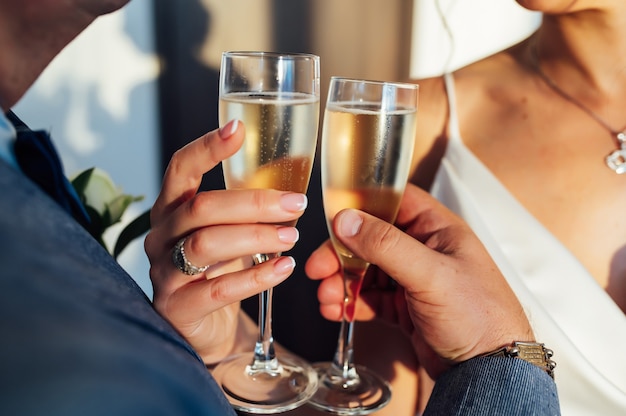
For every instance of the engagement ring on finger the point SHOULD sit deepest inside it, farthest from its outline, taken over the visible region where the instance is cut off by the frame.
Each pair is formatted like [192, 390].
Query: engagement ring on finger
[181, 262]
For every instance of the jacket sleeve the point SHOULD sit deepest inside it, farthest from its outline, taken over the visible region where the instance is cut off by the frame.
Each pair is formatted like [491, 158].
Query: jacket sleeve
[494, 386]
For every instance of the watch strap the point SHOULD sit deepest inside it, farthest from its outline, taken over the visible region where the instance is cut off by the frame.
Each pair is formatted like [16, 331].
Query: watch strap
[533, 352]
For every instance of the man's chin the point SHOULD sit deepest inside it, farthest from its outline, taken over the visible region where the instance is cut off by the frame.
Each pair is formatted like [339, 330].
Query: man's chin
[101, 7]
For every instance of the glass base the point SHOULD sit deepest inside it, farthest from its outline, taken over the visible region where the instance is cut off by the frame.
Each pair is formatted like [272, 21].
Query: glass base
[369, 394]
[272, 389]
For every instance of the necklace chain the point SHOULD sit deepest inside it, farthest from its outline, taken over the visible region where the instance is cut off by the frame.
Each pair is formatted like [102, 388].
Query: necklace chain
[616, 160]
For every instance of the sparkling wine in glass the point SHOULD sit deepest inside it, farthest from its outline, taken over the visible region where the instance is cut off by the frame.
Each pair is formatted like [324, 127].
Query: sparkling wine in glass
[276, 96]
[367, 146]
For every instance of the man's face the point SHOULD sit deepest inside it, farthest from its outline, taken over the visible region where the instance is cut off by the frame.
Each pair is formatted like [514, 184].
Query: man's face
[44, 11]
[100, 7]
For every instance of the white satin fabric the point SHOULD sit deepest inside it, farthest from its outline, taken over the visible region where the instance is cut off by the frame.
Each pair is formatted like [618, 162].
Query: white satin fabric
[569, 311]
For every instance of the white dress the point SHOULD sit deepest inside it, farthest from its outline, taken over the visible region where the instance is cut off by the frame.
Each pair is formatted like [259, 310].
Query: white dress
[569, 311]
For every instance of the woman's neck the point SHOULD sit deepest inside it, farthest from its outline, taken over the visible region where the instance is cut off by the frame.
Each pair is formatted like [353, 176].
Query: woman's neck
[586, 48]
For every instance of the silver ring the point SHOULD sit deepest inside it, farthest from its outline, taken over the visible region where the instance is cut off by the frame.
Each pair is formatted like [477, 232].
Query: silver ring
[181, 262]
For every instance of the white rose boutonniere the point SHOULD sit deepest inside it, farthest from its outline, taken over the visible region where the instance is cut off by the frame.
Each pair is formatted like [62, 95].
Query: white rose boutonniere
[106, 203]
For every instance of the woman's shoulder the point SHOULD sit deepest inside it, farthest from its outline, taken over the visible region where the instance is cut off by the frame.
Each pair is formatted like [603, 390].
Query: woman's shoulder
[433, 104]
[499, 72]
[470, 82]
[431, 128]
[475, 86]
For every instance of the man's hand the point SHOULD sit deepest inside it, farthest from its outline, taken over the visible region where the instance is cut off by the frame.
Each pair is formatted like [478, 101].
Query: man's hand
[456, 303]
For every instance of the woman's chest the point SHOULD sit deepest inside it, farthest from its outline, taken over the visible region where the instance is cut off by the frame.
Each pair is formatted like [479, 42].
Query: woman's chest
[555, 167]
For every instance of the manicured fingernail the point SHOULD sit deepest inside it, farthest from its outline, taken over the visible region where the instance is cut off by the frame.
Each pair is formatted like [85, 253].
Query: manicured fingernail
[293, 202]
[229, 129]
[349, 223]
[284, 265]
[288, 234]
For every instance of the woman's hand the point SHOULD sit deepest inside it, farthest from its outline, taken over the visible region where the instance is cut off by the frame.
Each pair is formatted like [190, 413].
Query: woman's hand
[455, 297]
[223, 228]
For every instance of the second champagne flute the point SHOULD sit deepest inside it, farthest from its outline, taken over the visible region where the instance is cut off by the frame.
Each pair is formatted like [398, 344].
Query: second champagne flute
[368, 137]
[276, 96]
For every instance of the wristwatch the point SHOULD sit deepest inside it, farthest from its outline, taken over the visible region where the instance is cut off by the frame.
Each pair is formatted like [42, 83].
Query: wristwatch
[532, 352]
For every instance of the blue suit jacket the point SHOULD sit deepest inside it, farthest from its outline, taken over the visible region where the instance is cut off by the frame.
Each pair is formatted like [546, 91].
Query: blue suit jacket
[79, 337]
[494, 386]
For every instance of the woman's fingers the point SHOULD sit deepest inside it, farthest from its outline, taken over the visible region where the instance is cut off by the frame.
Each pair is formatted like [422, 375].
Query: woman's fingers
[184, 172]
[222, 225]
[220, 243]
[214, 246]
[206, 311]
[208, 295]
[233, 207]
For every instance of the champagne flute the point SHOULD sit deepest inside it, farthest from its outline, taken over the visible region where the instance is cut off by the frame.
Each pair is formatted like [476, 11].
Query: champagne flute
[367, 146]
[277, 98]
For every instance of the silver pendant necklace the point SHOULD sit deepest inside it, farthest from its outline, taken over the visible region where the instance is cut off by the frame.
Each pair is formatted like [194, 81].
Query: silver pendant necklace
[616, 160]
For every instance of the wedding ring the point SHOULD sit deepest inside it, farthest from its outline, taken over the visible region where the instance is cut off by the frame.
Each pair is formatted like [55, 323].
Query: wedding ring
[180, 260]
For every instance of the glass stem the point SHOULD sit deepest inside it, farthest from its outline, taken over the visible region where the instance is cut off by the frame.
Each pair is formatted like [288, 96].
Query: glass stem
[264, 354]
[343, 362]
[342, 370]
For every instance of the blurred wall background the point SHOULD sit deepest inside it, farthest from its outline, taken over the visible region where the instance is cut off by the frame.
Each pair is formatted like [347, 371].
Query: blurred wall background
[99, 100]
[142, 82]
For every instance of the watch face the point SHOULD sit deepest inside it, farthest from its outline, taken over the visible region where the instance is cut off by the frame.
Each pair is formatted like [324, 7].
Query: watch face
[536, 354]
